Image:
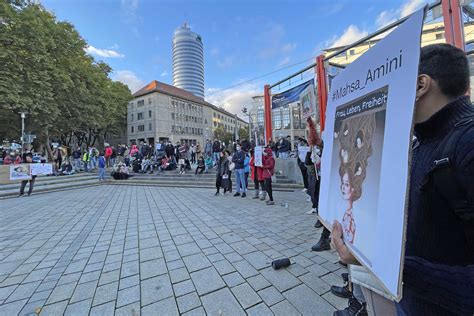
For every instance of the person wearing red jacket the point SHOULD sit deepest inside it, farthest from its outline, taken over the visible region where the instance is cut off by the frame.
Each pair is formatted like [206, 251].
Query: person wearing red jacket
[268, 170]
[108, 154]
[256, 174]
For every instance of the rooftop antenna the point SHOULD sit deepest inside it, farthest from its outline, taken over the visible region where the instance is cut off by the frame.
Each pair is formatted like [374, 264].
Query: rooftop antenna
[185, 24]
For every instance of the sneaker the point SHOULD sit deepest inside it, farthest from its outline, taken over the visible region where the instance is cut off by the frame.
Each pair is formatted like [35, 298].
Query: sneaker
[323, 244]
[244, 195]
[318, 224]
[237, 194]
[20, 195]
[216, 194]
[311, 211]
[304, 190]
[270, 203]
[354, 308]
[308, 199]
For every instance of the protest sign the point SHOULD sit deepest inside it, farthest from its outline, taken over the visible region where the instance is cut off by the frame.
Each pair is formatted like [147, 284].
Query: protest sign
[20, 172]
[302, 151]
[258, 156]
[367, 144]
[41, 169]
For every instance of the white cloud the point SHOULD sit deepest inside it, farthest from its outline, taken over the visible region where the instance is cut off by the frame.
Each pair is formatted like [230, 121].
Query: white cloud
[129, 78]
[350, 35]
[234, 99]
[105, 53]
[285, 61]
[130, 15]
[225, 63]
[215, 51]
[272, 41]
[164, 74]
[388, 16]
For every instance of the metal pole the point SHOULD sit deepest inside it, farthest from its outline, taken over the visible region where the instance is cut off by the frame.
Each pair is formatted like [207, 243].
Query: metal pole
[292, 132]
[22, 115]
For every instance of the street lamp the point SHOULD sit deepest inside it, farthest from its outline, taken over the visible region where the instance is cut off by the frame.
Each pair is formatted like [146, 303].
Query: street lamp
[246, 112]
[23, 116]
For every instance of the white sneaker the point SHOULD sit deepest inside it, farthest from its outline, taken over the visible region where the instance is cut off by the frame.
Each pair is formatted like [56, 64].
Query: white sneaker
[308, 199]
[304, 190]
[311, 211]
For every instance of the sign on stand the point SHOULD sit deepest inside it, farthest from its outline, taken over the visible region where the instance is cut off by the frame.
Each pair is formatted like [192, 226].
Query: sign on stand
[367, 144]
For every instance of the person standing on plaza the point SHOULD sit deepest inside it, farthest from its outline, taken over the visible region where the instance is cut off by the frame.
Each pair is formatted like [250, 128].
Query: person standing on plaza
[101, 163]
[256, 174]
[93, 154]
[192, 150]
[208, 149]
[28, 158]
[113, 156]
[283, 148]
[302, 143]
[246, 168]
[238, 159]
[86, 160]
[108, 154]
[76, 156]
[216, 149]
[268, 171]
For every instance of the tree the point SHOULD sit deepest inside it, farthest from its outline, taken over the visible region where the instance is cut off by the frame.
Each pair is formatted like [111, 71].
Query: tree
[46, 72]
[243, 133]
[223, 136]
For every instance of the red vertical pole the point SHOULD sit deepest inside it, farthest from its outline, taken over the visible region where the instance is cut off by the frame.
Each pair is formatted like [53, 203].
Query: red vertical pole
[322, 90]
[268, 113]
[453, 25]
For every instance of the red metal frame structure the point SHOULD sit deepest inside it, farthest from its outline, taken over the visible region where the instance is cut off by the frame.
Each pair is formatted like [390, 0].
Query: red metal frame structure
[454, 32]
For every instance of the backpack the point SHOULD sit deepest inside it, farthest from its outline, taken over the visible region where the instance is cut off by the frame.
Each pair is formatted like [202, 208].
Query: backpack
[443, 175]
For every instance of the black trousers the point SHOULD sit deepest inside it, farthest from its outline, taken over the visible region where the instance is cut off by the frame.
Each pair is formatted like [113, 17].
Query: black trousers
[200, 170]
[268, 188]
[304, 173]
[23, 185]
[193, 157]
[258, 184]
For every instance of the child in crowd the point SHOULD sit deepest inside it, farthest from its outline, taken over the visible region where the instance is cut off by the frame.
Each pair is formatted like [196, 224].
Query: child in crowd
[101, 167]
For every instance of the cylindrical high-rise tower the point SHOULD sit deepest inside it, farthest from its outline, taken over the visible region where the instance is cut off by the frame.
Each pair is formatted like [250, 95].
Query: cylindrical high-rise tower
[188, 61]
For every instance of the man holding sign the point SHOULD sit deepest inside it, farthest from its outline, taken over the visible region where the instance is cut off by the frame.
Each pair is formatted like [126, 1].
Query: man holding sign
[439, 264]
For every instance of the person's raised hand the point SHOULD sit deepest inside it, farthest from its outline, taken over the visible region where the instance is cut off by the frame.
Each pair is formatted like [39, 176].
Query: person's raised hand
[341, 248]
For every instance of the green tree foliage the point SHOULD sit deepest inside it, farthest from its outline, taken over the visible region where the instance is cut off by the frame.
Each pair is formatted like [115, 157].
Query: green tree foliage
[243, 133]
[46, 72]
[223, 136]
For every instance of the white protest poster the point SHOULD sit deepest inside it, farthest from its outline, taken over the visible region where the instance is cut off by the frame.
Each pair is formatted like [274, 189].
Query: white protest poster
[302, 151]
[20, 172]
[41, 169]
[365, 164]
[258, 156]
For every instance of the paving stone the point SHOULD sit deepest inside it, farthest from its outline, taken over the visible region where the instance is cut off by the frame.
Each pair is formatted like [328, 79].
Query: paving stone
[155, 289]
[12, 308]
[36, 275]
[23, 291]
[315, 283]
[79, 308]
[233, 257]
[196, 312]
[271, 296]
[215, 257]
[6, 291]
[54, 309]
[179, 275]
[129, 281]
[259, 310]
[128, 296]
[84, 291]
[258, 282]
[176, 264]
[221, 302]
[188, 249]
[285, 308]
[188, 302]
[131, 309]
[281, 279]
[337, 302]
[224, 267]
[196, 262]
[150, 254]
[233, 279]
[245, 269]
[307, 301]
[207, 280]
[164, 307]
[69, 278]
[243, 247]
[246, 295]
[152, 268]
[258, 260]
[88, 277]
[296, 270]
[130, 268]
[109, 277]
[105, 293]
[333, 279]
[183, 288]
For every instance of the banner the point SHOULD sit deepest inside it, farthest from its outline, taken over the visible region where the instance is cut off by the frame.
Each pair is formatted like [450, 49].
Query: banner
[303, 93]
[365, 164]
[258, 156]
[41, 169]
[20, 172]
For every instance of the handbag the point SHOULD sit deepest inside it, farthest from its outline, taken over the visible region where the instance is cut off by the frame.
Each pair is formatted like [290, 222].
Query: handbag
[231, 166]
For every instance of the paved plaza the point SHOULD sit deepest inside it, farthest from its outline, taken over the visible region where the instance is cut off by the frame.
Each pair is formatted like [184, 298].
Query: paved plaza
[142, 250]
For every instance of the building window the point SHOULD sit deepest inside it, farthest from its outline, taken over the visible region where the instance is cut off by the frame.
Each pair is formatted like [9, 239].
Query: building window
[214, 114]
[215, 124]
[173, 128]
[286, 118]
[149, 113]
[149, 126]
[276, 119]
[141, 128]
[440, 35]
[172, 116]
[140, 116]
[132, 117]
[141, 103]
[132, 130]
[352, 52]
[149, 100]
